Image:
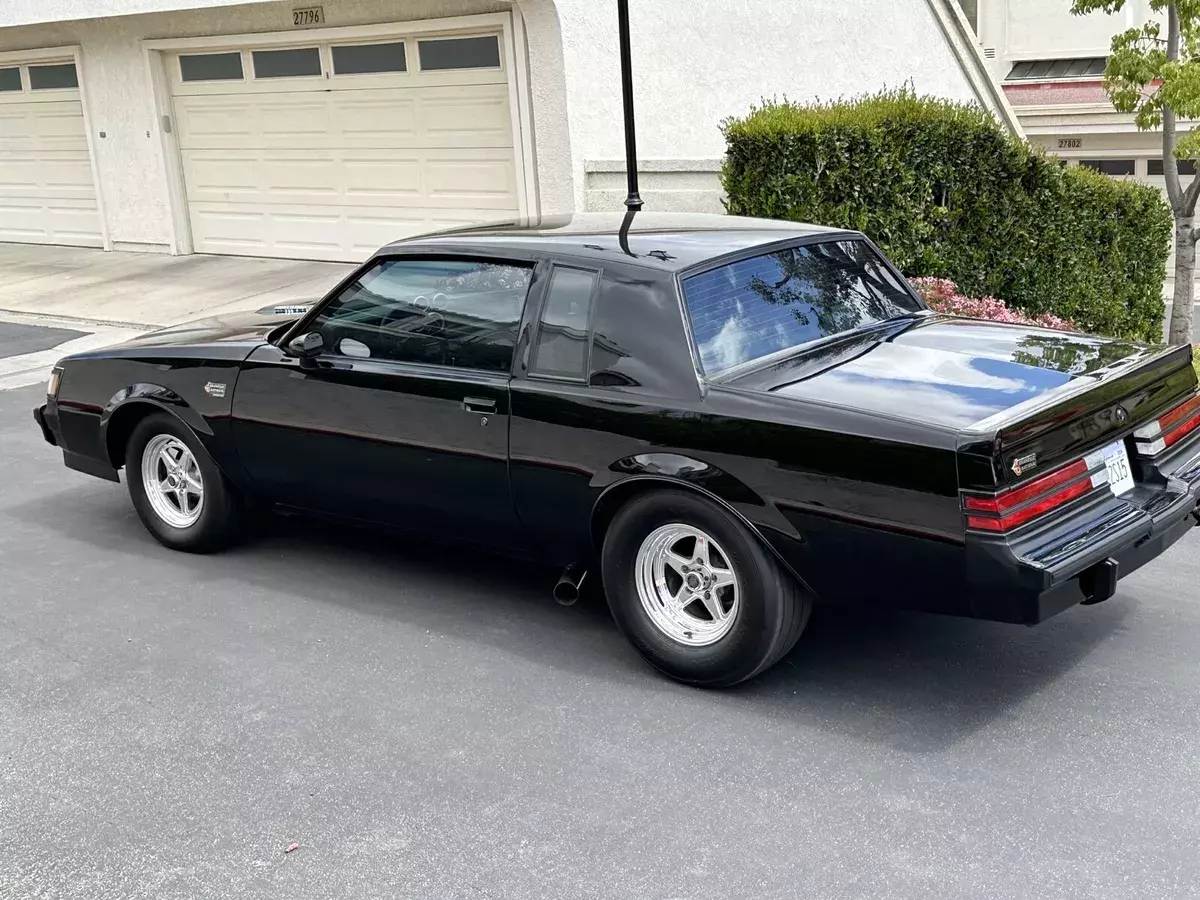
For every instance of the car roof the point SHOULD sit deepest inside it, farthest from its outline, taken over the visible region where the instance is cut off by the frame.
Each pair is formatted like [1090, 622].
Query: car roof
[667, 241]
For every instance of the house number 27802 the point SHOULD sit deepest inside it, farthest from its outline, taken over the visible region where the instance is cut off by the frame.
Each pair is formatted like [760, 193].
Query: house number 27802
[308, 16]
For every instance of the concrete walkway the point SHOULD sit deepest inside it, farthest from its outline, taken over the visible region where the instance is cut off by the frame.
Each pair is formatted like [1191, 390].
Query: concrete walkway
[145, 289]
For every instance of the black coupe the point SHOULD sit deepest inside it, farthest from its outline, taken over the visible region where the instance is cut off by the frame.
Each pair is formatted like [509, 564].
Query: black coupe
[726, 418]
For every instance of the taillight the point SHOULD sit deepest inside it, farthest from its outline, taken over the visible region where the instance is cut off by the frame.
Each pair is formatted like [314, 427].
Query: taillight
[1169, 429]
[1022, 504]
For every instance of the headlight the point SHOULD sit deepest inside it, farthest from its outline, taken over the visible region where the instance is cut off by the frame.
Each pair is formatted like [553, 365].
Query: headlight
[55, 380]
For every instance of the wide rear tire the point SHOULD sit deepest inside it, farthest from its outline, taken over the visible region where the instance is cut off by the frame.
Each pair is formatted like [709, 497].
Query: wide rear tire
[669, 546]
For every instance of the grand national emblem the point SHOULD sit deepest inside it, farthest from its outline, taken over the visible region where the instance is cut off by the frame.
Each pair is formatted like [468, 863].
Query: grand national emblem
[1023, 464]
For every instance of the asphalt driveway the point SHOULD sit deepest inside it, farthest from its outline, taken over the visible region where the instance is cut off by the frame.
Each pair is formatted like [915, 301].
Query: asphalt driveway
[425, 722]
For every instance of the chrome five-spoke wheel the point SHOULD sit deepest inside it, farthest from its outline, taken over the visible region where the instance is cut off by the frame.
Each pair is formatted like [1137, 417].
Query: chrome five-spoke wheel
[687, 585]
[172, 480]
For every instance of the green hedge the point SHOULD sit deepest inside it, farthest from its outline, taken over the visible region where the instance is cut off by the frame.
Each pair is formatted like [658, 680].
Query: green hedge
[947, 192]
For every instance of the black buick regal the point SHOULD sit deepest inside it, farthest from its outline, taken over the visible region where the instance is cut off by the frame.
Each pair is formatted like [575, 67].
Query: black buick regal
[723, 419]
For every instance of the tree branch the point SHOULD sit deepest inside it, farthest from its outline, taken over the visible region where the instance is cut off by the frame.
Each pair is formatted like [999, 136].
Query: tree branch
[1179, 202]
[1195, 235]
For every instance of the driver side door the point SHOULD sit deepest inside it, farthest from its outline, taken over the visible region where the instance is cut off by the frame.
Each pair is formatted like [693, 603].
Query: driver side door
[404, 417]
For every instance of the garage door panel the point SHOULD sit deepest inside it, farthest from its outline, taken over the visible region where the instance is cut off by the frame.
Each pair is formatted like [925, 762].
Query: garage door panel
[478, 117]
[42, 126]
[481, 182]
[474, 116]
[53, 175]
[47, 191]
[213, 122]
[333, 168]
[295, 121]
[337, 233]
[376, 121]
[40, 220]
[413, 178]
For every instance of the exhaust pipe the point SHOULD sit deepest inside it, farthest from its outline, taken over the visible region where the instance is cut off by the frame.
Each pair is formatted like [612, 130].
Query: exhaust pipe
[566, 592]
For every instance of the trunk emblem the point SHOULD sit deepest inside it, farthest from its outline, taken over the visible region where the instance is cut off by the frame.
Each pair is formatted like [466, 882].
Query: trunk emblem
[1023, 464]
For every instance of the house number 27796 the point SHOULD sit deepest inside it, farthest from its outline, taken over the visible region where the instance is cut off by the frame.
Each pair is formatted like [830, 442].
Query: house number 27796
[307, 16]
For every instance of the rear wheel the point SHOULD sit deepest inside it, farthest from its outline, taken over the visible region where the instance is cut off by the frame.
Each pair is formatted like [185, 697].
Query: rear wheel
[181, 496]
[696, 593]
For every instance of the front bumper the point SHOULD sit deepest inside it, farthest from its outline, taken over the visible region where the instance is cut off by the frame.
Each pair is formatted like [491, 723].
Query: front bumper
[39, 416]
[1079, 560]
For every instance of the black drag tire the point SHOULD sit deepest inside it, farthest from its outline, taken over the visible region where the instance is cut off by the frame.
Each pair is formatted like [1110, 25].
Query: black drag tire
[774, 608]
[219, 524]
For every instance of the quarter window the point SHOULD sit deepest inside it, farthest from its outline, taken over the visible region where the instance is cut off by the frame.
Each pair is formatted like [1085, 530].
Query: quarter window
[458, 313]
[362, 59]
[10, 79]
[287, 63]
[460, 53]
[56, 77]
[563, 336]
[211, 67]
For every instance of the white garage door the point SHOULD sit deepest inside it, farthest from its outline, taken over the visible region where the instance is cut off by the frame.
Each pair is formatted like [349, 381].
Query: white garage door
[47, 195]
[328, 150]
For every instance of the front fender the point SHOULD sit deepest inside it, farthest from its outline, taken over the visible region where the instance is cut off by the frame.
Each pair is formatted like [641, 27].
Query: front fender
[118, 415]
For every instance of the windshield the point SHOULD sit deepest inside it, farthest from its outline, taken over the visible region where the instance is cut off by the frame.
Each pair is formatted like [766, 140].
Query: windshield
[755, 307]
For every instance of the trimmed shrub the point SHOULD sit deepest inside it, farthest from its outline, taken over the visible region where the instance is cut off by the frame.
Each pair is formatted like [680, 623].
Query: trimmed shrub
[943, 295]
[947, 192]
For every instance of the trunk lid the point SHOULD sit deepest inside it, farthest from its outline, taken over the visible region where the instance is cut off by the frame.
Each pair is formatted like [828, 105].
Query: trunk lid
[1010, 392]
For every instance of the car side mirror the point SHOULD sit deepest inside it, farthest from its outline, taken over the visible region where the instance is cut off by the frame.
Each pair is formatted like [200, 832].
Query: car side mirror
[307, 346]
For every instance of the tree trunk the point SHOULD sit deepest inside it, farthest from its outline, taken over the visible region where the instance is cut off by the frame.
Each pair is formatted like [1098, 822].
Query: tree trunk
[1185, 271]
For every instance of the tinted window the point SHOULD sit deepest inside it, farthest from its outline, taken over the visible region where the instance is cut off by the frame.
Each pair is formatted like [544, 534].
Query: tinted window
[1109, 166]
[286, 63]
[46, 78]
[10, 79]
[562, 344]
[460, 53]
[364, 58]
[1186, 167]
[211, 67]
[457, 313]
[754, 307]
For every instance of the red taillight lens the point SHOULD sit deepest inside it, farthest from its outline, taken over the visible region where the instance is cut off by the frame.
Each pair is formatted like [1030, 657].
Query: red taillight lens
[1169, 429]
[1012, 508]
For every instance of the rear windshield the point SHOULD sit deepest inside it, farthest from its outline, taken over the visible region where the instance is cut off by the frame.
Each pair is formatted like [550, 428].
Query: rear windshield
[755, 307]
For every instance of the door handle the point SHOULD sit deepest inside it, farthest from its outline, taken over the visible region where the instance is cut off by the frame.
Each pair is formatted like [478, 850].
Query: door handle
[479, 405]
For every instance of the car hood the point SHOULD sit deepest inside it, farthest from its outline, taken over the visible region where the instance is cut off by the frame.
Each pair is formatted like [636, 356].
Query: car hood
[945, 371]
[250, 326]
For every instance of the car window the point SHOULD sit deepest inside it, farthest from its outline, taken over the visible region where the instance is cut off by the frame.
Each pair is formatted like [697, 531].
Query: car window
[460, 313]
[758, 306]
[561, 350]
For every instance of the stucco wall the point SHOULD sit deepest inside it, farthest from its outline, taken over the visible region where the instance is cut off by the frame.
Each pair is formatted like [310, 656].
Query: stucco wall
[695, 61]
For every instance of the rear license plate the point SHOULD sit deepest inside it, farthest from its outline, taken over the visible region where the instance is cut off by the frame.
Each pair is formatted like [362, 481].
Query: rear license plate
[1116, 461]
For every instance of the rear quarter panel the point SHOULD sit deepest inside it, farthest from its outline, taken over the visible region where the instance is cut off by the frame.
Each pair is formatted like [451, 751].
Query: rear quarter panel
[858, 505]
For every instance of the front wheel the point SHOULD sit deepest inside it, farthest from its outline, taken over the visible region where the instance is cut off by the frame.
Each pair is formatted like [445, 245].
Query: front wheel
[180, 495]
[696, 593]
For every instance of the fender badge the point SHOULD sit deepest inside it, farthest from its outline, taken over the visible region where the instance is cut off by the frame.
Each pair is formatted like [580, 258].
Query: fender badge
[1024, 464]
[214, 389]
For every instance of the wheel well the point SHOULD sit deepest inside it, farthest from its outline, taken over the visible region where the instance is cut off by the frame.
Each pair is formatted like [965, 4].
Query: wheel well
[120, 429]
[617, 496]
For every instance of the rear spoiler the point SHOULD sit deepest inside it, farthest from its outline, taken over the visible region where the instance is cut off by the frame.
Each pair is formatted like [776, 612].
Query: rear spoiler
[1064, 424]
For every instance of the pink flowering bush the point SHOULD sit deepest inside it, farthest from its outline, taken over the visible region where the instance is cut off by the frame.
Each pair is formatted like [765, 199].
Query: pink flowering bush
[942, 295]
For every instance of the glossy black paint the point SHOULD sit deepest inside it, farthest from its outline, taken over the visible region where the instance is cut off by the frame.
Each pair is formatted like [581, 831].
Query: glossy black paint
[847, 457]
